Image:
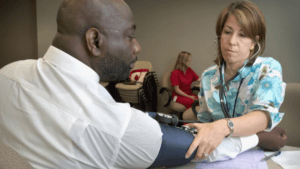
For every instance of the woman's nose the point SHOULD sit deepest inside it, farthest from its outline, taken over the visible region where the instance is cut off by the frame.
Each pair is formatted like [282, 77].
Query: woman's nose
[233, 40]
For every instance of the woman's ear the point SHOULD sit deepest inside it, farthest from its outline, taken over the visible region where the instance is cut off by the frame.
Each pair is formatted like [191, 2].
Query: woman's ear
[256, 40]
[94, 40]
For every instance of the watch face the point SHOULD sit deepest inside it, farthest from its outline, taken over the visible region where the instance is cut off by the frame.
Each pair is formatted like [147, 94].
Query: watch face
[230, 124]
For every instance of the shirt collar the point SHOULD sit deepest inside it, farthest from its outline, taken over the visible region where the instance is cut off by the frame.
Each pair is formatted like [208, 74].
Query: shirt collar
[63, 60]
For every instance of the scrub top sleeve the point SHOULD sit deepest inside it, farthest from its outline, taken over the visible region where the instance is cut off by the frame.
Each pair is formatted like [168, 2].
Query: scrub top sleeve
[268, 93]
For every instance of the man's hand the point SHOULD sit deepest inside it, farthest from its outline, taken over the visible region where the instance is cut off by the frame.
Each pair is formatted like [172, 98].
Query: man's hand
[273, 140]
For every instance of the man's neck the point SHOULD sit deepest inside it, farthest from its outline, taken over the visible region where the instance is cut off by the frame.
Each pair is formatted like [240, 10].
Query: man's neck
[71, 45]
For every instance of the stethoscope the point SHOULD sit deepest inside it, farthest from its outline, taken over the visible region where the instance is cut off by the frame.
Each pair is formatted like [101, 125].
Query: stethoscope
[223, 88]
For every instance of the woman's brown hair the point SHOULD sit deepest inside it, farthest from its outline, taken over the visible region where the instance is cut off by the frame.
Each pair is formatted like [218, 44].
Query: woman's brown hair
[252, 21]
[181, 61]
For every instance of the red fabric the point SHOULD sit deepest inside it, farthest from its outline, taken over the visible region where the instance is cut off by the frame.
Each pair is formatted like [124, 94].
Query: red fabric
[187, 102]
[184, 81]
[138, 70]
[136, 78]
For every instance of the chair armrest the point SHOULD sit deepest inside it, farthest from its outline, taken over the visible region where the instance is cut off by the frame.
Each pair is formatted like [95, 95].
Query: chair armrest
[195, 88]
[164, 89]
[196, 103]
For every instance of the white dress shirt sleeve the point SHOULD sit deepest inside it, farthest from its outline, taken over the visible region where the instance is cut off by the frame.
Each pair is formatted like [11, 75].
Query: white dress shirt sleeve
[141, 142]
[230, 147]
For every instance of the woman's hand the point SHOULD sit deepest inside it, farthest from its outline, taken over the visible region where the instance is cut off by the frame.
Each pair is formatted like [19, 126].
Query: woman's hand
[209, 137]
[273, 140]
[192, 97]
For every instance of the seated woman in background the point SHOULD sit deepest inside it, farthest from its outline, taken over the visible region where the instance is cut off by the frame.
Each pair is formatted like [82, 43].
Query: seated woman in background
[241, 94]
[182, 78]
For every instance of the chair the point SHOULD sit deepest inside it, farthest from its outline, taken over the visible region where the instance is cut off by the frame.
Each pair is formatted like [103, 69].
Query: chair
[150, 85]
[291, 118]
[9, 158]
[138, 94]
[104, 84]
[166, 94]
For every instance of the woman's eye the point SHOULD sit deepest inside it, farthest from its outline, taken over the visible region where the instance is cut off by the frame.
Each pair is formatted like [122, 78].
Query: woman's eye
[227, 32]
[242, 35]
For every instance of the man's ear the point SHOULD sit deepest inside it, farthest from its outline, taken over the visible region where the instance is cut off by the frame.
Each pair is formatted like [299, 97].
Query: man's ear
[94, 40]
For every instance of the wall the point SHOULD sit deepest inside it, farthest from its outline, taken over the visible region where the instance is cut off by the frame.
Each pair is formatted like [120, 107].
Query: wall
[17, 31]
[166, 27]
[283, 35]
[46, 23]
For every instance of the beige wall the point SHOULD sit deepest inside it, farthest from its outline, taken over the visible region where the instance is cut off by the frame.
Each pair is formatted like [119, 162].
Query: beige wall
[166, 27]
[17, 31]
[283, 35]
[46, 23]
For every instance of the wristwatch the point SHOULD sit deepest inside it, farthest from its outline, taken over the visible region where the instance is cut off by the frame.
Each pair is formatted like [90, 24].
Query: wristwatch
[231, 126]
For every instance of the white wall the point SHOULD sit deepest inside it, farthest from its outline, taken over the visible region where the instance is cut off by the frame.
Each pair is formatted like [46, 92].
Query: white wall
[283, 35]
[166, 27]
[46, 23]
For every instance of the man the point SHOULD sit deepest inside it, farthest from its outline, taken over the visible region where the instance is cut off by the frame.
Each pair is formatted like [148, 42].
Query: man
[54, 112]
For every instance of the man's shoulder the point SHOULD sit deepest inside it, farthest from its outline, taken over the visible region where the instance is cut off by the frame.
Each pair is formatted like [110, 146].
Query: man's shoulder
[19, 66]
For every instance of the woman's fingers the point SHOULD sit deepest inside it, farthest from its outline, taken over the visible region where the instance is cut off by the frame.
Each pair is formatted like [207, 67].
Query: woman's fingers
[196, 140]
[192, 147]
[206, 140]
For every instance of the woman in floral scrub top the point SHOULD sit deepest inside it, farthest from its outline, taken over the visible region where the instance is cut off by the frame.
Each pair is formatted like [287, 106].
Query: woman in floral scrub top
[253, 97]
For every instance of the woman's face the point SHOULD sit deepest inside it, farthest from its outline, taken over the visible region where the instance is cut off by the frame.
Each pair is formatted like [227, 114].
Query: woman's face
[235, 46]
[189, 61]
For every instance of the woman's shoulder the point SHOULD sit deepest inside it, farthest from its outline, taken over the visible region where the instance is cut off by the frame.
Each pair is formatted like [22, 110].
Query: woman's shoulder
[176, 72]
[211, 69]
[268, 61]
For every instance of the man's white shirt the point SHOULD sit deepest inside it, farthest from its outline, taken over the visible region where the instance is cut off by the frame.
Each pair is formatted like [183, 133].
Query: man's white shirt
[54, 112]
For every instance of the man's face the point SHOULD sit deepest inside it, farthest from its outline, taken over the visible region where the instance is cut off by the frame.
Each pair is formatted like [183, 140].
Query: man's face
[121, 46]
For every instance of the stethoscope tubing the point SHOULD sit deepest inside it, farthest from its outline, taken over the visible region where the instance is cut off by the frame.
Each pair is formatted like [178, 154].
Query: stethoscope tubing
[223, 101]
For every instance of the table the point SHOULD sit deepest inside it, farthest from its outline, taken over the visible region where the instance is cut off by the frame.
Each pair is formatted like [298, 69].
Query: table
[271, 164]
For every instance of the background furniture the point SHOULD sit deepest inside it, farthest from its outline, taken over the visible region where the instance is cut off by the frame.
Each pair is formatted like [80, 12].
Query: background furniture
[104, 84]
[10, 159]
[141, 95]
[291, 118]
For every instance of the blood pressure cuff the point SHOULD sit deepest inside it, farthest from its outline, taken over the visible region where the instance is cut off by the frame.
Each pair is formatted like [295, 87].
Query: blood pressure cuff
[175, 144]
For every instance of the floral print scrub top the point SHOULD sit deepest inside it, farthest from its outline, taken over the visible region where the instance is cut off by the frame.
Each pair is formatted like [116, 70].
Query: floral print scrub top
[262, 88]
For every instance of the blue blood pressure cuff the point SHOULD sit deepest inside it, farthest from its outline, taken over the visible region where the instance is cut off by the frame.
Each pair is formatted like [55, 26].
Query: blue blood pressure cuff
[175, 144]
